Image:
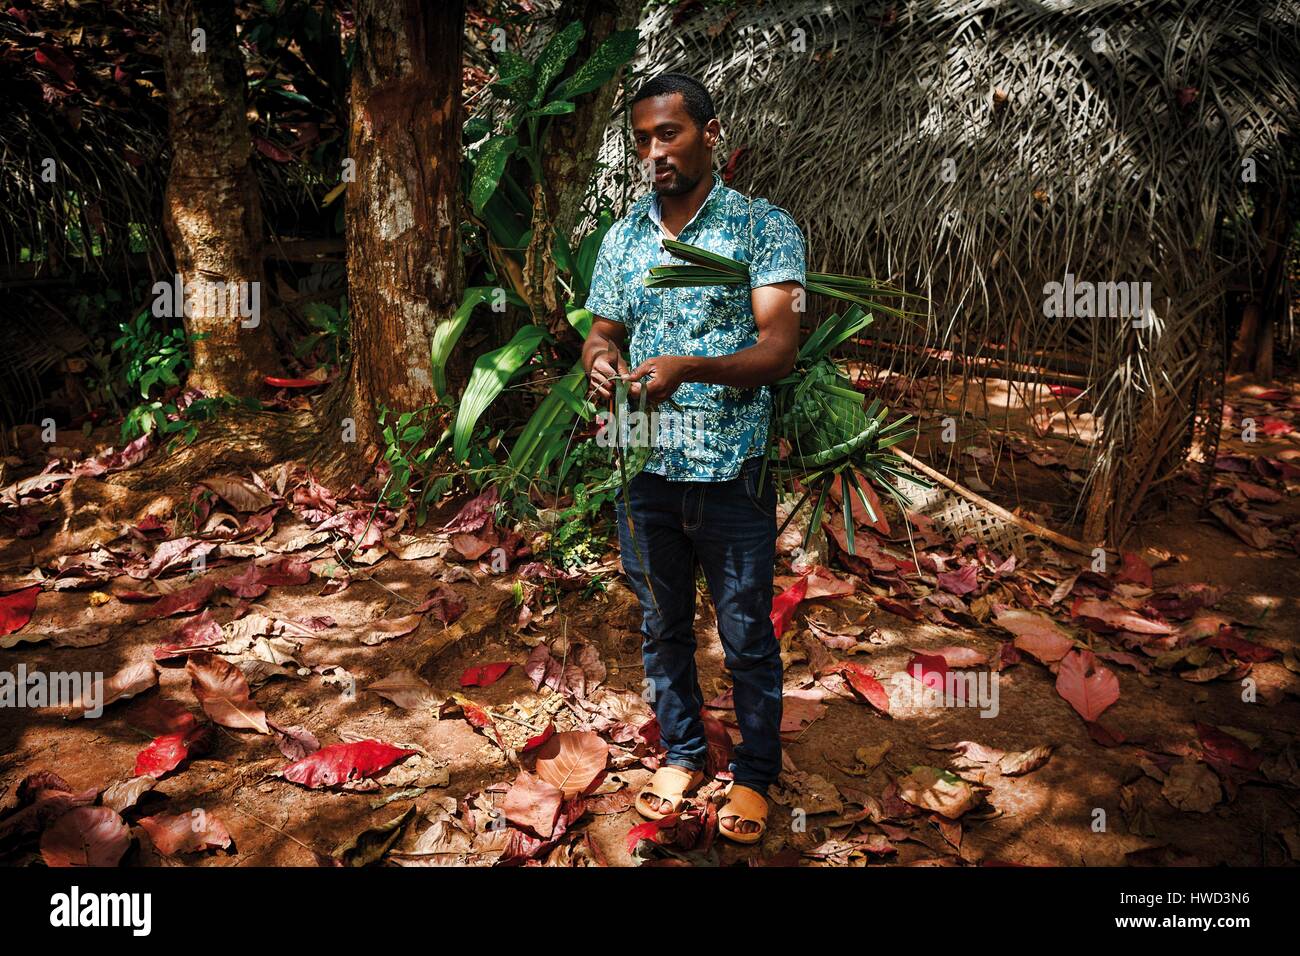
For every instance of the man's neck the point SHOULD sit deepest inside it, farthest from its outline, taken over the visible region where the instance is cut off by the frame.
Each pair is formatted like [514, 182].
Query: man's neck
[676, 211]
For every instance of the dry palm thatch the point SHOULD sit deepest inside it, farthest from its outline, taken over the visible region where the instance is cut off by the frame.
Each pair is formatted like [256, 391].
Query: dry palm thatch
[977, 151]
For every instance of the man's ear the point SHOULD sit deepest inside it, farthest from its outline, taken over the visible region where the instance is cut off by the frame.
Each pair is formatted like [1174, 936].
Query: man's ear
[712, 133]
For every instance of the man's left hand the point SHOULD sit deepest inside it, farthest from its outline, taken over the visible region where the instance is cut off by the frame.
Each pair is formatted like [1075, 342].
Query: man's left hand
[660, 376]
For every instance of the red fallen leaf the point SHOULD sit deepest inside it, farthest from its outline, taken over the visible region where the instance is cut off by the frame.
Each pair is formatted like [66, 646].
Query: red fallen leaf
[255, 581]
[717, 759]
[909, 611]
[161, 716]
[56, 61]
[195, 634]
[785, 603]
[169, 751]
[1116, 617]
[474, 514]
[273, 152]
[1103, 735]
[534, 742]
[1227, 748]
[1088, 686]
[961, 580]
[651, 830]
[485, 675]
[338, 763]
[522, 846]
[223, 693]
[470, 546]
[572, 761]
[447, 606]
[1065, 391]
[86, 836]
[822, 582]
[1036, 634]
[1273, 427]
[860, 514]
[276, 382]
[533, 803]
[931, 670]
[17, 608]
[1135, 571]
[183, 601]
[958, 656]
[1242, 649]
[864, 684]
[193, 832]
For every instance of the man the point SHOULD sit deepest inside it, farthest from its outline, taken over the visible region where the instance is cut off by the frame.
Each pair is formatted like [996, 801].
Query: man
[713, 351]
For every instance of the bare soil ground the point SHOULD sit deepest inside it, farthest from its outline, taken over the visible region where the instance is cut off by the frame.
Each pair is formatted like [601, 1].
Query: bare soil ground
[1194, 759]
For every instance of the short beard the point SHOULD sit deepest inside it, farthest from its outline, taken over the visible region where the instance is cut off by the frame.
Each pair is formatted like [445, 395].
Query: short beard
[678, 185]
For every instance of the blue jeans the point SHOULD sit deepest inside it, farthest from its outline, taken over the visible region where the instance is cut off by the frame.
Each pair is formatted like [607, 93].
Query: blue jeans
[729, 527]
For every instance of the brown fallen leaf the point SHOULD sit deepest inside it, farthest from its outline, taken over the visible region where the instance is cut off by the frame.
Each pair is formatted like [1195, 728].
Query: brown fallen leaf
[1192, 787]
[572, 761]
[222, 691]
[86, 836]
[938, 790]
[406, 689]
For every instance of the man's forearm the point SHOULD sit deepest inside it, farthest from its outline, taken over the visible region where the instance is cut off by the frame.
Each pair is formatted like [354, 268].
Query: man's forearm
[596, 345]
[760, 364]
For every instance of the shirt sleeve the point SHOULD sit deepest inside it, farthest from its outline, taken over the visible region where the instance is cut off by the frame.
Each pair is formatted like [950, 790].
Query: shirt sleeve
[779, 250]
[606, 297]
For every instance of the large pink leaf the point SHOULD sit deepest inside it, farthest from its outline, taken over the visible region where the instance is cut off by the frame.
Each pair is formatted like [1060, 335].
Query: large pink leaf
[179, 602]
[1089, 686]
[223, 692]
[194, 832]
[338, 763]
[533, 803]
[1036, 634]
[86, 836]
[1117, 617]
[572, 761]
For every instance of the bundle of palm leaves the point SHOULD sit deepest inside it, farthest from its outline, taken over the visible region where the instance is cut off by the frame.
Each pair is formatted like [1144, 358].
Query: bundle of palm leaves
[816, 411]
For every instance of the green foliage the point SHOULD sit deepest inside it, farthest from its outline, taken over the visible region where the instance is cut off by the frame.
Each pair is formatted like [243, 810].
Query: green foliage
[331, 327]
[411, 456]
[488, 379]
[152, 356]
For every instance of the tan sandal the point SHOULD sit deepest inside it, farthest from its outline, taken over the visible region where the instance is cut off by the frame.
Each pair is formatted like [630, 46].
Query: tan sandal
[668, 783]
[743, 803]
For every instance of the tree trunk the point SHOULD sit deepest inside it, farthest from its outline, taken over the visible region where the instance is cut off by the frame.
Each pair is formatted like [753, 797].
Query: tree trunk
[403, 210]
[212, 211]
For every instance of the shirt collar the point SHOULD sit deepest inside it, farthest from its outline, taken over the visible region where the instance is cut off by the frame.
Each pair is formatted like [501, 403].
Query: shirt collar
[652, 209]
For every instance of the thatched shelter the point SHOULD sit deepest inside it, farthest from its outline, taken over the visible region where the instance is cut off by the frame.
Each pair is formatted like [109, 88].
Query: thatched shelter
[978, 151]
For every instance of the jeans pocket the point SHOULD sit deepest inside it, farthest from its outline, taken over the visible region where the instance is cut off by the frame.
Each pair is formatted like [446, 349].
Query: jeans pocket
[764, 498]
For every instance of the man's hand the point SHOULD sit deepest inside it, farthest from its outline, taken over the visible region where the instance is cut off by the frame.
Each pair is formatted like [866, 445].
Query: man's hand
[662, 374]
[604, 372]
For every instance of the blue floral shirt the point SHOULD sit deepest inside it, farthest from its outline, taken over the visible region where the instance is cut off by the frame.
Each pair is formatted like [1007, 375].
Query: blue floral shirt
[716, 427]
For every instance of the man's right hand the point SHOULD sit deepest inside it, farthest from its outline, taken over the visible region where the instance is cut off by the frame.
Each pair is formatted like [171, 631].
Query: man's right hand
[603, 373]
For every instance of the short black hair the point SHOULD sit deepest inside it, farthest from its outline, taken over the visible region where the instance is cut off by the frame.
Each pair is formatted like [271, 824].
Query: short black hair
[698, 101]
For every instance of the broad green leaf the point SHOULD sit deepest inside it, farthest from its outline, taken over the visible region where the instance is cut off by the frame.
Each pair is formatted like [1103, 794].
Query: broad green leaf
[516, 78]
[556, 53]
[448, 331]
[489, 164]
[475, 129]
[616, 50]
[553, 108]
[487, 380]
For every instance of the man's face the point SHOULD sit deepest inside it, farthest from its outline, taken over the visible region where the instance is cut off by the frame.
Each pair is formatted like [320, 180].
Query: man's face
[667, 135]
